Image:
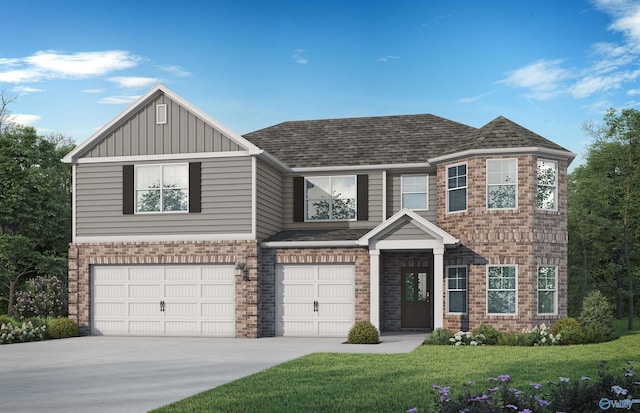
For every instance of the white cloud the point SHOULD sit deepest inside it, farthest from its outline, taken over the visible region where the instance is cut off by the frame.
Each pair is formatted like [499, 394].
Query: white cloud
[133, 82]
[298, 57]
[175, 70]
[544, 78]
[56, 65]
[97, 90]
[387, 58]
[472, 99]
[23, 90]
[24, 119]
[118, 100]
[592, 84]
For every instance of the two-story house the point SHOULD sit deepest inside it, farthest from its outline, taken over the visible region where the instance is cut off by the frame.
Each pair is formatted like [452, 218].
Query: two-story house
[183, 227]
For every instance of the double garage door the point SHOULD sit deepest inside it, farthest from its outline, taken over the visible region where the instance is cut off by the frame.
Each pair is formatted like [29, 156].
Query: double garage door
[315, 300]
[199, 300]
[163, 300]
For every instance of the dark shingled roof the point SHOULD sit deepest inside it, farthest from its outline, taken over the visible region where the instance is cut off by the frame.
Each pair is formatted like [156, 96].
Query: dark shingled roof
[386, 140]
[318, 235]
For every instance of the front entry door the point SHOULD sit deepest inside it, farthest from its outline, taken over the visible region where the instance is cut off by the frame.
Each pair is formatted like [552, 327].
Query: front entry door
[417, 307]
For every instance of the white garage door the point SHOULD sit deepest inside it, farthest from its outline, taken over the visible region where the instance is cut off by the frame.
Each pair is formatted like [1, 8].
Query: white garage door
[176, 300]
[315, 300]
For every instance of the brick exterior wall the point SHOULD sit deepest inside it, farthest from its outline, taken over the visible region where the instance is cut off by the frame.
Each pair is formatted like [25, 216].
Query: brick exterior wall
[270, 257]
[83, 256]
[526, 237]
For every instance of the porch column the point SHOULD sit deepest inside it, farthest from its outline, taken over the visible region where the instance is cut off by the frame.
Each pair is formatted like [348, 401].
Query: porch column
[438, 282]
[374, 288]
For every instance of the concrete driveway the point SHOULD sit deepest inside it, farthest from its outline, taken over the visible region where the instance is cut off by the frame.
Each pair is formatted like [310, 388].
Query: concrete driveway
[137, 374]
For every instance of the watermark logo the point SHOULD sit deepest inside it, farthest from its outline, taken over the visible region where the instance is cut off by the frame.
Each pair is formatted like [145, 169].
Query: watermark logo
[606, 404]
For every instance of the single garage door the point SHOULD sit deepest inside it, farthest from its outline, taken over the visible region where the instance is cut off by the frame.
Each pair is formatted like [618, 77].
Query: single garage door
[315, 300]
[176, 300]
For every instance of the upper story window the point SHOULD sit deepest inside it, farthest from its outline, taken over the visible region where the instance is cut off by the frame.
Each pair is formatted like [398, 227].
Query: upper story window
[502, 183]
[330, 198]
[457, 188]
[162, 188]
[547, 195]
[415, 191]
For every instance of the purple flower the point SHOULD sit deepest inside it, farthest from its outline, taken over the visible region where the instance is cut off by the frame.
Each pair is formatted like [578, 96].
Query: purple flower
[564, 379]
[511, 406]
[470, 383]
[536, 385]
[445, 390]
[503, 377]
[492, 379]
[493, 389]
[412, 410]
[435, 386]
[482, 398]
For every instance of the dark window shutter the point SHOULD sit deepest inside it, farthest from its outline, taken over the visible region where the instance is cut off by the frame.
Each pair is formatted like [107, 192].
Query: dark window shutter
[128, 190]
[298, 199]
[363, 197]
[195, 190]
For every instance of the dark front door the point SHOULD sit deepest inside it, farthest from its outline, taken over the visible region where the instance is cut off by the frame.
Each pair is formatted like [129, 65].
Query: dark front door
[417, 308]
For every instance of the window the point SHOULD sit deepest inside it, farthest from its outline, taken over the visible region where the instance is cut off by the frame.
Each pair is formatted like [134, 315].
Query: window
[457, 289]
[501, 289]
[457, 188]
[501, 183]
[162, 188]
[547, 289]
[547, 184]
[414, 191]
[330, 198]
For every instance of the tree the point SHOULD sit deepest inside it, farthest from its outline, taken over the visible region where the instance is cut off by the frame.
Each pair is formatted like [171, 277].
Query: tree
[611, 181]
[35, 208]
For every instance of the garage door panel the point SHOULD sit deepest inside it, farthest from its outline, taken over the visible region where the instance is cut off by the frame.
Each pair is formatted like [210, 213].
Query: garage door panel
[152, 291]
[146, 274]
[336, 311]
[115, 309]
[106, 274]
[335, 273]
[299, 291]
[150, 309]
[299, 273]
[182, 273]
[334, 328]
[109, 290]
[332, 291]
[222, 311]
[298, 310]
[127, 300]
[145, 327]
[213, 291]
[181, 290]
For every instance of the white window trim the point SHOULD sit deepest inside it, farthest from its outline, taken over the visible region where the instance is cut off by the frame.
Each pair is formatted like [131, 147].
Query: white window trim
[466, 187]
[515, 184]
[515, 313]
[355, 218]
[555, 290]
[161, 165]
[161, 114]
[426, 191]
[466, 290]
[555, 187]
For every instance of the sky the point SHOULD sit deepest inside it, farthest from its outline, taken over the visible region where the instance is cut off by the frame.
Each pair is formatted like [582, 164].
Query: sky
[547, 65]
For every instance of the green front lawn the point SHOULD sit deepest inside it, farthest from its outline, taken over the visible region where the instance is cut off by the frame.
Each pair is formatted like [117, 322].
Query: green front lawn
[329, 382]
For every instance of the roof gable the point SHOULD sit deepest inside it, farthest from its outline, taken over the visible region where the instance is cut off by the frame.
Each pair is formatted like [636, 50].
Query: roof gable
[135, 132]
[404, 223]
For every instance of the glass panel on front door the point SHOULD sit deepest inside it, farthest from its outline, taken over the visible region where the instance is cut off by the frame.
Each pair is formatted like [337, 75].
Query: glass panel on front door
[416, 307]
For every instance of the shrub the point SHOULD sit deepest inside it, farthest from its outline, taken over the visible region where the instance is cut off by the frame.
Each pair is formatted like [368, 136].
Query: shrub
[10, 333]
[572, 335]
[542, 336]
[5, 319]
[44, 296]
[63, 328]
[462, 338]
[563, 324]
[597, 318]
[363, 333]
[440, 336]
[516, 338]
[491, 335]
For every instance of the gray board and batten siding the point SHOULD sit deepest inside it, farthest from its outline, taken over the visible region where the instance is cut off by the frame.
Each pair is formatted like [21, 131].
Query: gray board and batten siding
[225, 192]
[139, 134]
[394, 193]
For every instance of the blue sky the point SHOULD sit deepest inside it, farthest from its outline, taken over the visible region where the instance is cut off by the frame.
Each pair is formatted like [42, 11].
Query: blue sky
[548, 65]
